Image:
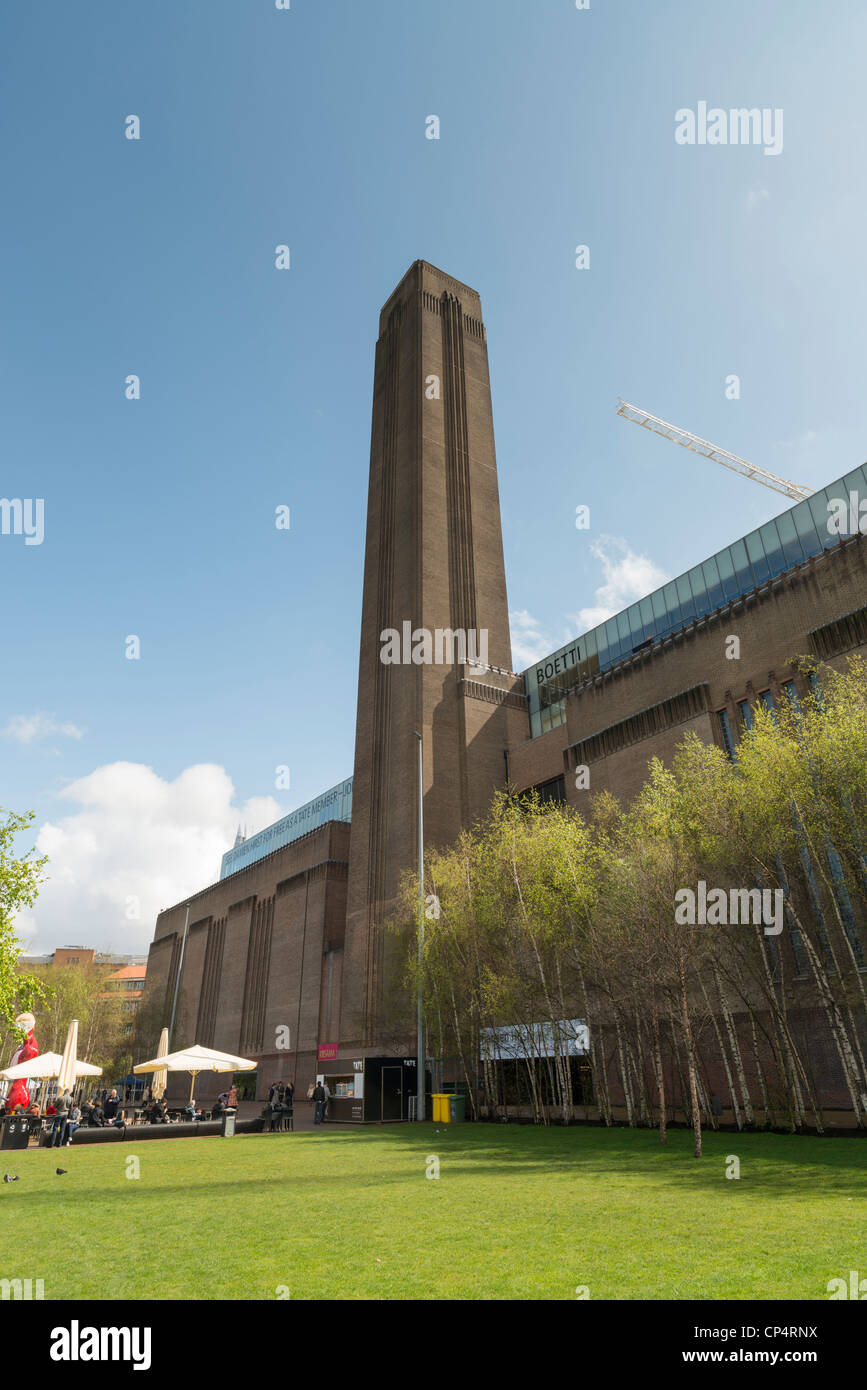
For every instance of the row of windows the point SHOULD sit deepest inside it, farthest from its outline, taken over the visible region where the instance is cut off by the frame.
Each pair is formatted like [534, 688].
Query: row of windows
[766, 699]
[788, 540]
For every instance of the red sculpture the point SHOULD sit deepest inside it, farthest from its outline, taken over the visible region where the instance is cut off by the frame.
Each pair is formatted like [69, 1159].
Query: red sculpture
[20, 1092]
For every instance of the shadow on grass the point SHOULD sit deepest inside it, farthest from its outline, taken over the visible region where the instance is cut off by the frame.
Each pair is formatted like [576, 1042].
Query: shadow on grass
[781, 1165]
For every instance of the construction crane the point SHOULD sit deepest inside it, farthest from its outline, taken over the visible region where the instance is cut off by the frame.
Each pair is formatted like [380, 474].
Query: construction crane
[710, 451]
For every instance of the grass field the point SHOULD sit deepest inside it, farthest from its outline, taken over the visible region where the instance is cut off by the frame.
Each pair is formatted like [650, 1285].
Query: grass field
[516, 1213]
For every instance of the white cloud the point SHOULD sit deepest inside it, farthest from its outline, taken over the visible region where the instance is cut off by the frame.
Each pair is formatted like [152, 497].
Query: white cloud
[529, 642]
[756, 196]
[134, 836]
[27, 727]
[627, 577]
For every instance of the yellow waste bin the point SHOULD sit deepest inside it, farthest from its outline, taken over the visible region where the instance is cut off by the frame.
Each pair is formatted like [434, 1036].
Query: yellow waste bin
[441, 1111]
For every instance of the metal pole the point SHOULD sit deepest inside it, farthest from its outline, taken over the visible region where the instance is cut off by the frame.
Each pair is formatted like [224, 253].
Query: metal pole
[178, 980]
[419, 1080]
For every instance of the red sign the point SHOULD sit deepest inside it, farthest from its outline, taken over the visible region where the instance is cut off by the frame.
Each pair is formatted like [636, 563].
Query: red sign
[327, 1052]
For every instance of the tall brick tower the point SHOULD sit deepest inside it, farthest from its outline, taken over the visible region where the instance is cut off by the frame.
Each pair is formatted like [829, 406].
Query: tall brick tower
[433, 560]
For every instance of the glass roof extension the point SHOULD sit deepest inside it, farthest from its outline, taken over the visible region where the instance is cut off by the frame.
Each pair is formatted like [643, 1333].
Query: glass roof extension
[780, 544]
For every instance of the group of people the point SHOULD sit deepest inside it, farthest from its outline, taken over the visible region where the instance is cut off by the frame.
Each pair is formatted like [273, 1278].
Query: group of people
[63, 1113]
[65, 1118]
[155, 1111]
[103, 1109]
[280, 1104]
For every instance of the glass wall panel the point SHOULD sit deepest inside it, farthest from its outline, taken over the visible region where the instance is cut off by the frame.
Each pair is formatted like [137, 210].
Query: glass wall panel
[687, 603]
[625, 633]
[699, 591]
[672, 607]
[818, 505]
[714, 588]
[743, 574]
[773, 547]
[789, 540]
[727, 575]
[612, 639]
[806, 529]
[648, 623]
[657, 598]
[758, 559]
[854, 482]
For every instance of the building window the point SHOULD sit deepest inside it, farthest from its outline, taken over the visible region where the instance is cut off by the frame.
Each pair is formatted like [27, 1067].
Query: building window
[726, 732]
[746, 711]
[844, 903]
[554, 790]
[792, 695]
[816, 689]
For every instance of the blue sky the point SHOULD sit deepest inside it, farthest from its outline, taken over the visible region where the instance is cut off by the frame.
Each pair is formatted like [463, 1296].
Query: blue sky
[156, 257]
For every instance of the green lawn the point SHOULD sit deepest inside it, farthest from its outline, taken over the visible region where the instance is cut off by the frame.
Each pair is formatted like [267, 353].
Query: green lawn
[517, 1213]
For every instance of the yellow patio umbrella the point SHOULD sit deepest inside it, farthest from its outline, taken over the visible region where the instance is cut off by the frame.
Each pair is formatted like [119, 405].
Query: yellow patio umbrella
[194, 1060]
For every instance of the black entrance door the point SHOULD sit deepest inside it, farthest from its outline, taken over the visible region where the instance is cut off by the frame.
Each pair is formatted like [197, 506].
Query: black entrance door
[392, 1093]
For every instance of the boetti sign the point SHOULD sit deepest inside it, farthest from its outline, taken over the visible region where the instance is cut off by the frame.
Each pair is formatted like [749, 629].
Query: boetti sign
[327, 1052]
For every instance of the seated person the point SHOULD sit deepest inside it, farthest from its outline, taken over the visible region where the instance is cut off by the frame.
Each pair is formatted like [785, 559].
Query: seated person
[217, 1109]
[92, 1113]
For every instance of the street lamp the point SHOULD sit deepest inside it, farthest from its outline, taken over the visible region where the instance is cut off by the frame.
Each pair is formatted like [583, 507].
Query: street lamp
[419, 1102]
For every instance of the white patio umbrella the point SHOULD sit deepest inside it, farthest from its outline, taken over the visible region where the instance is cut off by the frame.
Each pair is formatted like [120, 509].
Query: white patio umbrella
[46, 1065]
[158, 1085]
[195, 1059]
[66, 1075]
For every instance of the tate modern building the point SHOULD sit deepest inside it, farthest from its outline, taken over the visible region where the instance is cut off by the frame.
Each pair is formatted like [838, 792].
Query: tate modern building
[292, 934]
